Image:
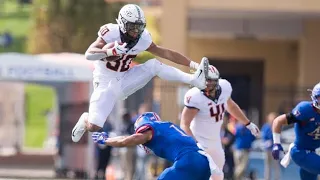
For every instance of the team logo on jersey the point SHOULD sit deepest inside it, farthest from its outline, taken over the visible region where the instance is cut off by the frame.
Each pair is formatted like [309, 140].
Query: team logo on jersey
[188, 99]
[312, 119]
[296, 113]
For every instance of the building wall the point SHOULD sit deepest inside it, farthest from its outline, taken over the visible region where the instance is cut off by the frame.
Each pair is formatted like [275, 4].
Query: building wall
[288, 64]
[309, 54]
[257, 5]
[173, 37]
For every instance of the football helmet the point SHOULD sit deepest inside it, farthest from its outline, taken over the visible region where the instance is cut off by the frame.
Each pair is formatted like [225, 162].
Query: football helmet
[131, 21]
[146, 118]
[315, 96]
[212, 82]
[213, 78]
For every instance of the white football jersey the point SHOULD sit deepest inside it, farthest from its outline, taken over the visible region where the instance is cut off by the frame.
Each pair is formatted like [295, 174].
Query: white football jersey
[207, 123]
[111, 33]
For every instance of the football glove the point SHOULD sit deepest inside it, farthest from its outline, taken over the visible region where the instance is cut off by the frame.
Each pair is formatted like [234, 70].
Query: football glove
[99, 137]
[277, 151]
[253, 128]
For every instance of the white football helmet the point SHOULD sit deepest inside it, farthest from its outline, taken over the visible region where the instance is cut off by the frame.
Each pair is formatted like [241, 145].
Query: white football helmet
[131, 21]
[315, 96]
[213, 73]
[212, 79]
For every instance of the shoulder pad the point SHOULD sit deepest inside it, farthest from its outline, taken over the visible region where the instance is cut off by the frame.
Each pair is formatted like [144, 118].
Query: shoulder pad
[146, 39]
[109, 32]
[225, 84]
[302, 110]
[192, 98]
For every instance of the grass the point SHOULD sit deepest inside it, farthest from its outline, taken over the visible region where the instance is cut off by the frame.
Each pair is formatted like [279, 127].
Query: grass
[15, 20]
[39, 100]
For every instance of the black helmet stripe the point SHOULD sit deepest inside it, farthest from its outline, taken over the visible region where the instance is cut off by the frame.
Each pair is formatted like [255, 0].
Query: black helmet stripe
[139, 13]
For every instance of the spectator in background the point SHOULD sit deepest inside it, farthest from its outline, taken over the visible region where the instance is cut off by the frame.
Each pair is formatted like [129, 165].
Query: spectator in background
[128, 124]
[142, 109]
[24, 2]
[2, 40]
[103, 154]
[227, 139]
[232, 122]
[128, 156]
[6, 39]
[243, 142]
[269, 162]
[142, 157]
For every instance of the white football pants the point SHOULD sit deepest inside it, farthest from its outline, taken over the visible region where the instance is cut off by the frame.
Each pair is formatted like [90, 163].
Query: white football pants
[215, 150]
[107, 91]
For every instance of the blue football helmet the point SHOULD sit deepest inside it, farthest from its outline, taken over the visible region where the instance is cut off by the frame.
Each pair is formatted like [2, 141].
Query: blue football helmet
[315, 96]
[146, 118]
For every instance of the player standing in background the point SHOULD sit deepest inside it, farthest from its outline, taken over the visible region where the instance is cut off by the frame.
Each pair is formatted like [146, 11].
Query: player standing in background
[203, 114]
[167, 141]
[114, 80]
[306, 119]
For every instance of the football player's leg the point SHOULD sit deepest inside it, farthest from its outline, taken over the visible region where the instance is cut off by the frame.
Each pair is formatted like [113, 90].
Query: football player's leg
[217, 155]
[138, 76]
[310, 162]
[134, 79]
[167, 72]
[102, 101]
[170, 73]
[174, 172]
[169, 173]
[305, 175]
[191, 166]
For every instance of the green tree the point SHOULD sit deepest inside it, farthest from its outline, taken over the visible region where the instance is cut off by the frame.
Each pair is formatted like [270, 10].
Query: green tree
[68, 25]
[71, 25]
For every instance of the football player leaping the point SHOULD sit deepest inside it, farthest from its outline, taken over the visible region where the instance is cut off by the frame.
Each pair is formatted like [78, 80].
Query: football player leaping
[113, 79]
[203, 114]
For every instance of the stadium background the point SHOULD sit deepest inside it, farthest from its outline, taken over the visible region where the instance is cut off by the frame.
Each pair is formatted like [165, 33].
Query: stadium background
[266, 49]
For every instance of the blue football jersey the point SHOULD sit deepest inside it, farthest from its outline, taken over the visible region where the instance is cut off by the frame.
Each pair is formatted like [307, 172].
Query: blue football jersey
[168, 140]
[307, 129]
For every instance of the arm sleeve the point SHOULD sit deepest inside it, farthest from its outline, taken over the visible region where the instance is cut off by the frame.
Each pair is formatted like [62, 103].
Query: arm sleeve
[299, 113]
[291, 118]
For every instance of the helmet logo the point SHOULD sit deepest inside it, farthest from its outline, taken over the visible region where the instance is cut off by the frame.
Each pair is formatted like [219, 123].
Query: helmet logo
[129, 13]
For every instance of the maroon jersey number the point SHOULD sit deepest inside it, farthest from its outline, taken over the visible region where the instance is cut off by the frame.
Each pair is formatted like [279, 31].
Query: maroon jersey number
[122, 64]
[103, 30]
[219, 112]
